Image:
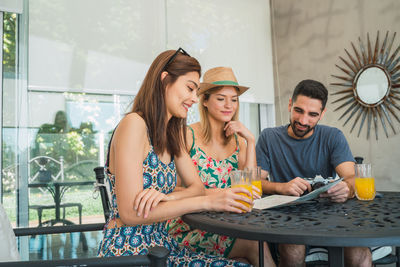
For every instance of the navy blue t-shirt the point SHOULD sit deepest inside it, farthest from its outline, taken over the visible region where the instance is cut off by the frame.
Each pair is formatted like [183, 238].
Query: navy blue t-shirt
[286, 158]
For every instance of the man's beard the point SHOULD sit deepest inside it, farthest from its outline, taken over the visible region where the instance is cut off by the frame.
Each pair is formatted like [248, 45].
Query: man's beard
[296, 132]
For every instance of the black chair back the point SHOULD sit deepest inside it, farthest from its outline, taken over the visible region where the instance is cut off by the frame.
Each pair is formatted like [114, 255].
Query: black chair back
[105, 201]
[157, 256]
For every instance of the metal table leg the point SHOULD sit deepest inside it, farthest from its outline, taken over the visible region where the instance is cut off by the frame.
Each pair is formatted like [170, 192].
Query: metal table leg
[260, 253]
[336, 256]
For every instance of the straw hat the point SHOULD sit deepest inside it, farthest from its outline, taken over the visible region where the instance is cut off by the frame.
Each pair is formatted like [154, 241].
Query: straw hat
[220, 76]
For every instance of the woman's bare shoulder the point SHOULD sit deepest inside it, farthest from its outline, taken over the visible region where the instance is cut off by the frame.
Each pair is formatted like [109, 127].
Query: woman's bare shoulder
[130, 139]
[133, 120]
[132, 124]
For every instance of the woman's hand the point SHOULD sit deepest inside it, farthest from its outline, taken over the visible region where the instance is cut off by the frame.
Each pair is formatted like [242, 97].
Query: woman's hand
[148, 199]
[256, 192]
[237, 127]
[227, 200]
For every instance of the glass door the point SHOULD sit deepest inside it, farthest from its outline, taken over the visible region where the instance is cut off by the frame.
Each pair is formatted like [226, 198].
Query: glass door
[9, 114]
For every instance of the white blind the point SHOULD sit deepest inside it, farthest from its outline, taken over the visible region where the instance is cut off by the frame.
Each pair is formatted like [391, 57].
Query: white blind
[233, 33]
[93, 45]
[107, 46]
[13, 6]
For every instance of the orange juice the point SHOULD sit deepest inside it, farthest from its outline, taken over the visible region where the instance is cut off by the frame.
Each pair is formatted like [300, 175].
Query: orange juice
[248, 187]
[257, 183]
[365, 188]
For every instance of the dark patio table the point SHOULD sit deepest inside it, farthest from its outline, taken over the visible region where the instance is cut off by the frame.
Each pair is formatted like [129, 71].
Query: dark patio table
[319, 223]
[57, 190]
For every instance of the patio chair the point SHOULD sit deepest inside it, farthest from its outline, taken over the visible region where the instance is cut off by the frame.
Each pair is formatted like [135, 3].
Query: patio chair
[9, 255]
[45, 169]
[318, 256]
[103, 187]
[380, 256]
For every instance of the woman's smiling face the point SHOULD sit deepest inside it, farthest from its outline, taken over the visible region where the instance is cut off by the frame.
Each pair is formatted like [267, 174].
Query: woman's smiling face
[223, 104]
[182, 94]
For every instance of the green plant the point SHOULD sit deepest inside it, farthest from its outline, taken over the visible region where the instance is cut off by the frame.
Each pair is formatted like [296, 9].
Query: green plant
[9, 42]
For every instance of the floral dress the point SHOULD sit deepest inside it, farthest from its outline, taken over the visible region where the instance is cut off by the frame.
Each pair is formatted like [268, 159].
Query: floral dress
[214, 174]
[136, 240]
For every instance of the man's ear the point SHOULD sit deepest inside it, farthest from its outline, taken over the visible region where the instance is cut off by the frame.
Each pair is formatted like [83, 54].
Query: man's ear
[290, 105]
[163, 75]
[322, 113]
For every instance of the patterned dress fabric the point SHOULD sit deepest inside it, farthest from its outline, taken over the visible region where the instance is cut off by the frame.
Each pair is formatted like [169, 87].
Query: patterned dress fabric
[214, 174]
[136, 240]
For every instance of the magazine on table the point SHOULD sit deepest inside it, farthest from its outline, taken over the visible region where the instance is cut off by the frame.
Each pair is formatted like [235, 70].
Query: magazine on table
[275, 201]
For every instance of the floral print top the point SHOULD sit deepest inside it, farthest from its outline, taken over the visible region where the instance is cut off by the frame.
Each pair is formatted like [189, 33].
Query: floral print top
[214, 174]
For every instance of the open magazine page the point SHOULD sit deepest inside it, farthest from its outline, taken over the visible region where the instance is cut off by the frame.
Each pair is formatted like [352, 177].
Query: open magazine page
[275, 201]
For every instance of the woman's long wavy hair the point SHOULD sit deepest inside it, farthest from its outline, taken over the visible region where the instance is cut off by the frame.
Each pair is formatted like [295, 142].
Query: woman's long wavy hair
[204, 119]
[150, 102]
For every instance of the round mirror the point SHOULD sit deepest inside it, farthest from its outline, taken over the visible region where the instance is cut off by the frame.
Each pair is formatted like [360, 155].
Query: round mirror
[370, 93]
[372, 85]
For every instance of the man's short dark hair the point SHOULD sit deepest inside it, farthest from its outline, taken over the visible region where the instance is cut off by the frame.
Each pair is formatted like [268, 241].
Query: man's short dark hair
[312, 89]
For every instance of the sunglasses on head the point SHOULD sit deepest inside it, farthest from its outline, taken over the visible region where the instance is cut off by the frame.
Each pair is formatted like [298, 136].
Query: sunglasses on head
[174, 56]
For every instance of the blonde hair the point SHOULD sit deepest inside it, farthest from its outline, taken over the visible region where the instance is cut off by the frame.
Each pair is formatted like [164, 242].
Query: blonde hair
[205, 121]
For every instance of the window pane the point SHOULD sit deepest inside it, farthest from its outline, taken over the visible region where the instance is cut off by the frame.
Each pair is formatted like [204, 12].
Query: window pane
[9, 116]
[74, 130]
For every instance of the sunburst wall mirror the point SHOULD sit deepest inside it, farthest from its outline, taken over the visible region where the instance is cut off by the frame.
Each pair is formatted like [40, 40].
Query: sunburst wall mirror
[370, 87]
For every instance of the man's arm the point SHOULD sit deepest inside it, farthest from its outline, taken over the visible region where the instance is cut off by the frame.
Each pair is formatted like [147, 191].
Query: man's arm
[345, 189]
[346, 170]
[342, 158]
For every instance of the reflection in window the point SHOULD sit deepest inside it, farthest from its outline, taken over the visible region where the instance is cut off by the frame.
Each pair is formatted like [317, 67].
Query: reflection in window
[75, 129]
[9, 126]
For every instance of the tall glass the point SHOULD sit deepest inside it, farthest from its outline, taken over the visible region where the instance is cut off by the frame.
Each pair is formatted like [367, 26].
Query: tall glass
[242, 179]
[255, 176]
[365, 183]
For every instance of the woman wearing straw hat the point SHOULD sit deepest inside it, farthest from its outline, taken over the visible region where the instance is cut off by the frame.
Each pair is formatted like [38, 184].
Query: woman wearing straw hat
[219, 144]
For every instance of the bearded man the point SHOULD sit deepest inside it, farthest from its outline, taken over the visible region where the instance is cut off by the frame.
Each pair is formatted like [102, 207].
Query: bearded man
[304, 149]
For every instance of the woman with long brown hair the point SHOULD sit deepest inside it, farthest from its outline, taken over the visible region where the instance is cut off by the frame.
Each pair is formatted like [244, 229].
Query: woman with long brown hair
[218, 145]
[146, 151]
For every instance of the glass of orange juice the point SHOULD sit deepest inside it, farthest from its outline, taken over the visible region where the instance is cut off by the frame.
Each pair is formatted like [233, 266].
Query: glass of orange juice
[365, 183]
[242, 179]
[255, 176]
